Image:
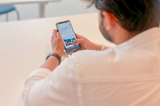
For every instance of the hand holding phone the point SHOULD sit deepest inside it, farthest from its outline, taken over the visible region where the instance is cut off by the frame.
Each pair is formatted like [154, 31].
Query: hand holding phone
[57, 43]
[87, 44]
[68, 36]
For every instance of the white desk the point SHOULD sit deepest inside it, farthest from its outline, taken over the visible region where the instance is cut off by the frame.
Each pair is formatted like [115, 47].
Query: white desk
[41, 4]
[25, 44]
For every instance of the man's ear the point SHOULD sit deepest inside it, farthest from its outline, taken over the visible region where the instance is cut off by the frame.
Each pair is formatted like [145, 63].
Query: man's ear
[109, 19]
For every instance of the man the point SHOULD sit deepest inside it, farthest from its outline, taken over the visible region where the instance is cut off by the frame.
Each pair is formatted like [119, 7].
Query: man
[125, 75]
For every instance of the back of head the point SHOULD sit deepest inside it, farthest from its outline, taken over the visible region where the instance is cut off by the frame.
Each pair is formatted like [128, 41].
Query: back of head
[133, 15]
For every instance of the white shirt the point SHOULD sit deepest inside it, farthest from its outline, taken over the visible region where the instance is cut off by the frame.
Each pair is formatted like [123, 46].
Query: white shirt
[125, 75]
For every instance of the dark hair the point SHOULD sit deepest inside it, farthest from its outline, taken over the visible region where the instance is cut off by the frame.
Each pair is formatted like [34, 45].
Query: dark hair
[133, 15]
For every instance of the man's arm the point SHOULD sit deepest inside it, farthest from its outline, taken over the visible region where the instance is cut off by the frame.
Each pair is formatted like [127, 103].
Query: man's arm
[51, 63]
[87, 45]
[46, 88]
[57, 47]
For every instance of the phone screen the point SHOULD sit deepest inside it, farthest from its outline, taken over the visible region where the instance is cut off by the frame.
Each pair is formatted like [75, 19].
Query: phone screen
[68, 36]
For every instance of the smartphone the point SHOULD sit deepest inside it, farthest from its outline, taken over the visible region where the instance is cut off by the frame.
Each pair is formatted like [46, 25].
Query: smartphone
[68, 36]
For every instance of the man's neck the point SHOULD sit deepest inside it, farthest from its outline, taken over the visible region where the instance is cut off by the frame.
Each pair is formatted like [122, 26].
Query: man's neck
[123, 37]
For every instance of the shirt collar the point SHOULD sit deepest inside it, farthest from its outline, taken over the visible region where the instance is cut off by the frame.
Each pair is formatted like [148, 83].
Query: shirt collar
[143, 37]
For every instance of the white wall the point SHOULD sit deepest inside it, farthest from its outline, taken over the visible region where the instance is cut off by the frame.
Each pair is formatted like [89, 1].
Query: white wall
[65, 7]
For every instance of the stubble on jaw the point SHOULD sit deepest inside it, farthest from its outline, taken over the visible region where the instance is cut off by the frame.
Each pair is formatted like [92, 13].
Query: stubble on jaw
[102, 28]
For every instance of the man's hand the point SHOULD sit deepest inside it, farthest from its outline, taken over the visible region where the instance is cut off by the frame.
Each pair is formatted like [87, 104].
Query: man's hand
[86, 44]
[57, 47]
[57, 43]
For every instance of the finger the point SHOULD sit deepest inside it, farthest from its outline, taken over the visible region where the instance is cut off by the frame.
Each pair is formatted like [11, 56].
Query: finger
[59, 35]
[54, 33]
[78, 36]
[72, 53]
[74, 43]
[79, 40]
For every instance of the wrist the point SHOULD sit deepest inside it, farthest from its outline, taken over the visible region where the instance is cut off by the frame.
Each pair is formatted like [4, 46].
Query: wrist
[56, 61]
[54, 55]
[103, 47]
[59, 52]
[97, 47]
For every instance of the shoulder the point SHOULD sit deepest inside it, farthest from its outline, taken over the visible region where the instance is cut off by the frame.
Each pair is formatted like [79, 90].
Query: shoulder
[90, 54]
[90, 57]
[83, 55]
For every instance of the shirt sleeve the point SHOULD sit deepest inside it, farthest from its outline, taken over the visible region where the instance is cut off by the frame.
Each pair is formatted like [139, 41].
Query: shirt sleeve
[57, 88]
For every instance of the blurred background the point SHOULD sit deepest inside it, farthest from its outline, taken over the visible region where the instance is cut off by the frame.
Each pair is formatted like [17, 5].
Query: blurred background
[52, 9]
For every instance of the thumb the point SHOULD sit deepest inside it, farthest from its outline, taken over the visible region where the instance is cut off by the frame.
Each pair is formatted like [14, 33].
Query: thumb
[59, 35]
[78, 41]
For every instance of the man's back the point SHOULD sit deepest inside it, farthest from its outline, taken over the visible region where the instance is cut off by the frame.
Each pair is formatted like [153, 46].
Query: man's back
[126, 75]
